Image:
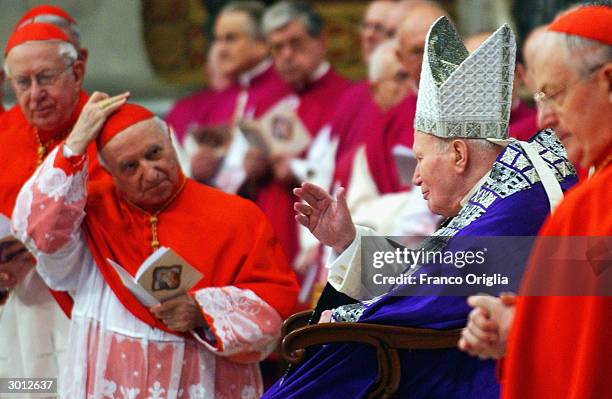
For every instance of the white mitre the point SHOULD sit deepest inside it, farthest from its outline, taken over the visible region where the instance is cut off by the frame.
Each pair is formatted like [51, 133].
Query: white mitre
[462, 94]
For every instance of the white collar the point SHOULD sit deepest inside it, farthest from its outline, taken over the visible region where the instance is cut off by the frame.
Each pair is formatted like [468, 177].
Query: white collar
[245, 78]
[321, 70]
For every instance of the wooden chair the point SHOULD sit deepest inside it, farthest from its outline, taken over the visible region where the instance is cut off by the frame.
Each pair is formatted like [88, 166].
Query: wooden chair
[298, 335]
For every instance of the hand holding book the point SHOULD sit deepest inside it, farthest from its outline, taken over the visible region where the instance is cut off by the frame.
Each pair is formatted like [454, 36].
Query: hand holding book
[180, 314]
[162, 276]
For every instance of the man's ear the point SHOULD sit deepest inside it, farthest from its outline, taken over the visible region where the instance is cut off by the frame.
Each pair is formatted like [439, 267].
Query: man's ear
[607, 73]
[78, 70]
[460, 152]
[83, 54]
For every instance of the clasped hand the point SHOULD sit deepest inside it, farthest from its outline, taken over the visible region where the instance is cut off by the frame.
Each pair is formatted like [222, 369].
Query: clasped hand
[486, 334]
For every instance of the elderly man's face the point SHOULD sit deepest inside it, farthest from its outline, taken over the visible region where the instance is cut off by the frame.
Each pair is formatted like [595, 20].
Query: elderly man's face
[47, 90]
[296, 54]
[436, 174]
[143, 164]
[410, 53]
[393, 85]
[411, 35]
[237, 50]
[573, 102]
[373, 29]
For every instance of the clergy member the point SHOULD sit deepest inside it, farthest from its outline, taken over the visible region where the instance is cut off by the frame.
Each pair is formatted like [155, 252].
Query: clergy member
[546, 117]
[559, 344]
[205, 343]
[54, 15]
[45, 72]
[298, 44]
[243, 57]
[387, 86]
[465, 177]
[59, 17]
[398, 125]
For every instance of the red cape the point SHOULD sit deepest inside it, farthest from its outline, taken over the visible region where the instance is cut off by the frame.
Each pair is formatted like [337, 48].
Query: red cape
[559, 346]
[224, 236]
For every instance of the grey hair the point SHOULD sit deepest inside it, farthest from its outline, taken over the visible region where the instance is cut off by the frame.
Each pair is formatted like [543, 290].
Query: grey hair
[284, 12]
[254, 11]
[376, 64]
[586, 54]
[71, 29]
[67, 52]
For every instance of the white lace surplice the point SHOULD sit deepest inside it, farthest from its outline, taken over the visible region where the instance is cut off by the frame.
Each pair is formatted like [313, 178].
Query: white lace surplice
[112, 354]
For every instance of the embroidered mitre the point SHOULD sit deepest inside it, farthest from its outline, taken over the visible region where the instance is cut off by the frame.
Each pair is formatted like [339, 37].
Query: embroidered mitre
[462, 94]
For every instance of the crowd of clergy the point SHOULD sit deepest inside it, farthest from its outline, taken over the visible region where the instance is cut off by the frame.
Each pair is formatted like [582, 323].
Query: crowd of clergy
[274, 180]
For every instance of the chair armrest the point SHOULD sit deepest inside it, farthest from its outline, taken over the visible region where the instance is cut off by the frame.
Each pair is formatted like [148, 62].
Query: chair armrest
[296, 321]
[386, 339]
[294, 343]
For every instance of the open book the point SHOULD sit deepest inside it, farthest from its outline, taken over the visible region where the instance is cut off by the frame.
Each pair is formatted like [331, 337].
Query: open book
[163, 275]
[279, 131]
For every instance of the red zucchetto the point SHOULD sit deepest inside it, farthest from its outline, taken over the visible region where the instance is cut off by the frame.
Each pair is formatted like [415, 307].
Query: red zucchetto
[38, 31]
[44, 10]
[126, 116]
[589, 22]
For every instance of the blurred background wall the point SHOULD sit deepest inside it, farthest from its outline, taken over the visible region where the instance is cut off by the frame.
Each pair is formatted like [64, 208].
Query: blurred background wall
[157, 48]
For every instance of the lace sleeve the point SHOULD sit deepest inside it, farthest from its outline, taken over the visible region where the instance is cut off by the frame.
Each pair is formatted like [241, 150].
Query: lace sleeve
[48, 215]
[240, 324]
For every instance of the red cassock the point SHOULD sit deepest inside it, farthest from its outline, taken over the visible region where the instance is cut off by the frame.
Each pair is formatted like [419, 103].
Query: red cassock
[235, 245]
[347, 118]
[19, 159]
[205, 108]
[317, 104]
[559, 346]
[398, 128]
[213, 108]
[358, 119]
[264, 90]
[523, 122]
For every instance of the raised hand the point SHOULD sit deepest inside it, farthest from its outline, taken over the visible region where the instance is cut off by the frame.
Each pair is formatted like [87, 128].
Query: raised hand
[328, 219]
[489, 323]
[94, 114]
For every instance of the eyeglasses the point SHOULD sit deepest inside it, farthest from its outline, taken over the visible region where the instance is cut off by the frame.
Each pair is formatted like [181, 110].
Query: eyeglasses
[43, 79]
[556, 96]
